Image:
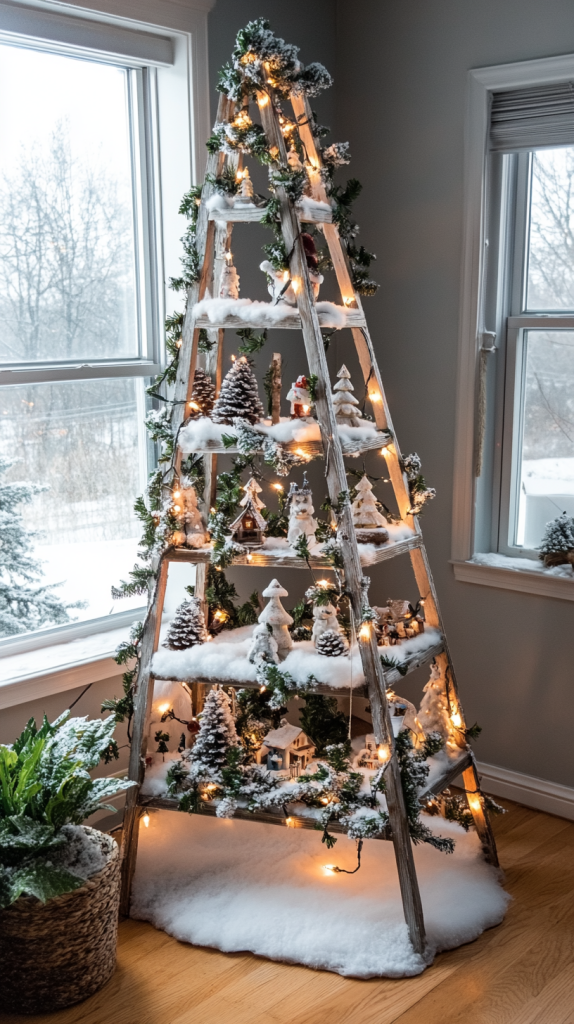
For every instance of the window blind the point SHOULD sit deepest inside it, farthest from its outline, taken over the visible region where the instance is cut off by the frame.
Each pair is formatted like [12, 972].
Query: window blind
[533, 118]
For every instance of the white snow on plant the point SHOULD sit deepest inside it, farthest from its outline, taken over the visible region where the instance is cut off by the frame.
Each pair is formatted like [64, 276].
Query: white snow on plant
[198, 433]
[261, 314]
[497, 561]
[225, 658]
[237, 885]
[85, 852]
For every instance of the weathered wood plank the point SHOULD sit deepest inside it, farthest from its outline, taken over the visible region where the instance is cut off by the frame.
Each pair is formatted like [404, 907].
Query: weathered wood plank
[254, 214]
[289, 322]
[256, 559]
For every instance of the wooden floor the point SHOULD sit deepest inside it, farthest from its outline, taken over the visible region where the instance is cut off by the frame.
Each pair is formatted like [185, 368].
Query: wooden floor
[519, 973]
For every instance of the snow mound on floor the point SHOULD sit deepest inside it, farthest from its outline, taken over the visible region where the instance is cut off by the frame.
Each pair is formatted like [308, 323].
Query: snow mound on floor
[238, 885]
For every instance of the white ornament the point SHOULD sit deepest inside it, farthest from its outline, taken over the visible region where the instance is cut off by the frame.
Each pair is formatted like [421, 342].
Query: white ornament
[244, 196]
[195, 533]
[301, 522]
[324, 618]
[277, 279]
[368, 521]
[344, 402]
[252, 490]
[229, 285]
[264, 649]
[279, 620]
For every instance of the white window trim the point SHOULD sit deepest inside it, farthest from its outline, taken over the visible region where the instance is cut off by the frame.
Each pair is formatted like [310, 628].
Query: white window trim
[482, 82]
[183, 126]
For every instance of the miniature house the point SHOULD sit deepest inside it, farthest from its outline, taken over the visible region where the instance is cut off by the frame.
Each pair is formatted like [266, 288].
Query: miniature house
[249, 527]
[289, 749]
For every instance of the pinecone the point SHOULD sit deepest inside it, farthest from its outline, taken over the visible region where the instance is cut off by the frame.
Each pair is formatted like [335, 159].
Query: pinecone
[203, 395]
[238, 396]
[188, 627]
[331, 644]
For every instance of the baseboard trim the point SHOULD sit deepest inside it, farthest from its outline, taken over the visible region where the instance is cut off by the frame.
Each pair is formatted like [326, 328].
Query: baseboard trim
[540, 794]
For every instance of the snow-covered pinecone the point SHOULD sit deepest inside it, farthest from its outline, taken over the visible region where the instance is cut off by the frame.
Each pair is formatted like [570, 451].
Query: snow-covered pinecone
[188, 627]
[203, 394]
[331, 644]
[239, 396]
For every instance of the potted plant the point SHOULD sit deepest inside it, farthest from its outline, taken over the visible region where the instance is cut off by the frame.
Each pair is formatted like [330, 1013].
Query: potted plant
[59, 879]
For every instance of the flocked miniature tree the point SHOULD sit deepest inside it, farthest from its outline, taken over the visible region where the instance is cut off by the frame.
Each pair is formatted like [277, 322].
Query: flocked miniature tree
[344, 402]
[369, 522]
[202, 395]
[188, 627]
[275, 615]
[24, 606]
[216, 736]
[557, 544]
[239, 395]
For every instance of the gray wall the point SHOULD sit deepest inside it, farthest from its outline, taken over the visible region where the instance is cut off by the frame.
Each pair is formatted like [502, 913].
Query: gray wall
[400, 68]
[400, 96]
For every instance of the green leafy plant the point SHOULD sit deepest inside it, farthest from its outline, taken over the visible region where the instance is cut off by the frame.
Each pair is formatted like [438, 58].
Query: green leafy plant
[45, 785]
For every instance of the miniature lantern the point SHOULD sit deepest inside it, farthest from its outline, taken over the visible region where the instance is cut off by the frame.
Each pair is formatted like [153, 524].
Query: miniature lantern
[290, 749]
[249, 527]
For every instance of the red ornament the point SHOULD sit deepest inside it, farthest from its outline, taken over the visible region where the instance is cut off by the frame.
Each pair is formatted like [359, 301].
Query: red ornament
[193, 726]
[310, 250]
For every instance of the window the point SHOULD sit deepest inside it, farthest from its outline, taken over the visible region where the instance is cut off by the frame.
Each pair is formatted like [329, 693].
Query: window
[538, 435]
[79, 313]
[514, 461]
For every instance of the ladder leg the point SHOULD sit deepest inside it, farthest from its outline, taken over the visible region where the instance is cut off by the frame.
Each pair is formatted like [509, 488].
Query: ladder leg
[480, 814]
[142, 699]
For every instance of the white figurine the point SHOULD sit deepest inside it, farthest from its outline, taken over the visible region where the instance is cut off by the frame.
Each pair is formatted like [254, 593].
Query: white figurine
[301, 521]
[279, 620]
[195, 533]
[344, 402]
[263, 647]
[244, 196]
[229, 285]
[324, 618]
[368, 521]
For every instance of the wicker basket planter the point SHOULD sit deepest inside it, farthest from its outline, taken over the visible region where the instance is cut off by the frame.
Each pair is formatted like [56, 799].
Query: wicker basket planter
[57, 953]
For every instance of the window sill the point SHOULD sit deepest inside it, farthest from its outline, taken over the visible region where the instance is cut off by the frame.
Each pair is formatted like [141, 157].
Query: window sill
[38, 673]
[508, 574]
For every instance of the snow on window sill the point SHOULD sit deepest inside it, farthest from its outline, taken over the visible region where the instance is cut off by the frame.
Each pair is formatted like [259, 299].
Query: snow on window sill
[30, 675]
[523, 574]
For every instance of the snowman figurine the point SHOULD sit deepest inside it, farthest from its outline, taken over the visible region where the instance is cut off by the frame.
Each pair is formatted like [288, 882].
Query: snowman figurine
[301, 522]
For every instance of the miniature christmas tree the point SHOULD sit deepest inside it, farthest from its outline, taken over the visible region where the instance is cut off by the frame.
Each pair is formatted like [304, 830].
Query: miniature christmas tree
[279, 620]
[557, 545]
[252, 492]
[229, 284]
[369, 522]
[244, 196]
[434, 712]
[188, 627]
[238, 396]
[331, 644]
[345, 403]
[263, 646]
[202, 395]
[216, 736]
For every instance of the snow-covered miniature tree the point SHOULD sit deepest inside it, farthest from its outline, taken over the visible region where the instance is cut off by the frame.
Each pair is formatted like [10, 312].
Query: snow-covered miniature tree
[301, 521]
[434, 712]
[557, 546]
[300, 398]
[263, 648]
[216, 736]
[202, 395]
[252, 492]
[239, 396]
[229, 284]
[324, 621]
[244, 196]
[187, 628]
[369, 522]
[23, 605]
[275, 615]
[344, 401]
[331, 644]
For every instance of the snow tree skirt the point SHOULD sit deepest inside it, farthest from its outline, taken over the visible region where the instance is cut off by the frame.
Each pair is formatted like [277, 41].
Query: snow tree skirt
[238, 885]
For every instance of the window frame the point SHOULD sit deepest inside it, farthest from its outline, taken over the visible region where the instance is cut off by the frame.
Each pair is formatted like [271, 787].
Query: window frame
[165, 92]
[489, 303]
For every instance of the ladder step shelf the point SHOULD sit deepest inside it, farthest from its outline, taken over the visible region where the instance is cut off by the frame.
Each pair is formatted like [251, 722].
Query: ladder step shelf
[258, 558]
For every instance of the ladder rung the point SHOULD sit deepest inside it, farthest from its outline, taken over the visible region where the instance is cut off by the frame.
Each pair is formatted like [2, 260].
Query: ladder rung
[267, 818]
[392, 676]
[292, 322]
[259, 558]
[448, 776]
[306, 449]
[253, 215]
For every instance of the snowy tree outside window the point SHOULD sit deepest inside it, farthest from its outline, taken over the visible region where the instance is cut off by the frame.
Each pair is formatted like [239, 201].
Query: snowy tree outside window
[69, 297]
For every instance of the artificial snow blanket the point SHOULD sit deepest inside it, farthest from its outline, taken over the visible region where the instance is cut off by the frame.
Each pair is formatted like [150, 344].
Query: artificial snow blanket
[265, 314]
[239, 885]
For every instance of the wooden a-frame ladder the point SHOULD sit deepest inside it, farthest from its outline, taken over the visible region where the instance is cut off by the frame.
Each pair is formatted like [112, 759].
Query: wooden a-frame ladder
[212, 239]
